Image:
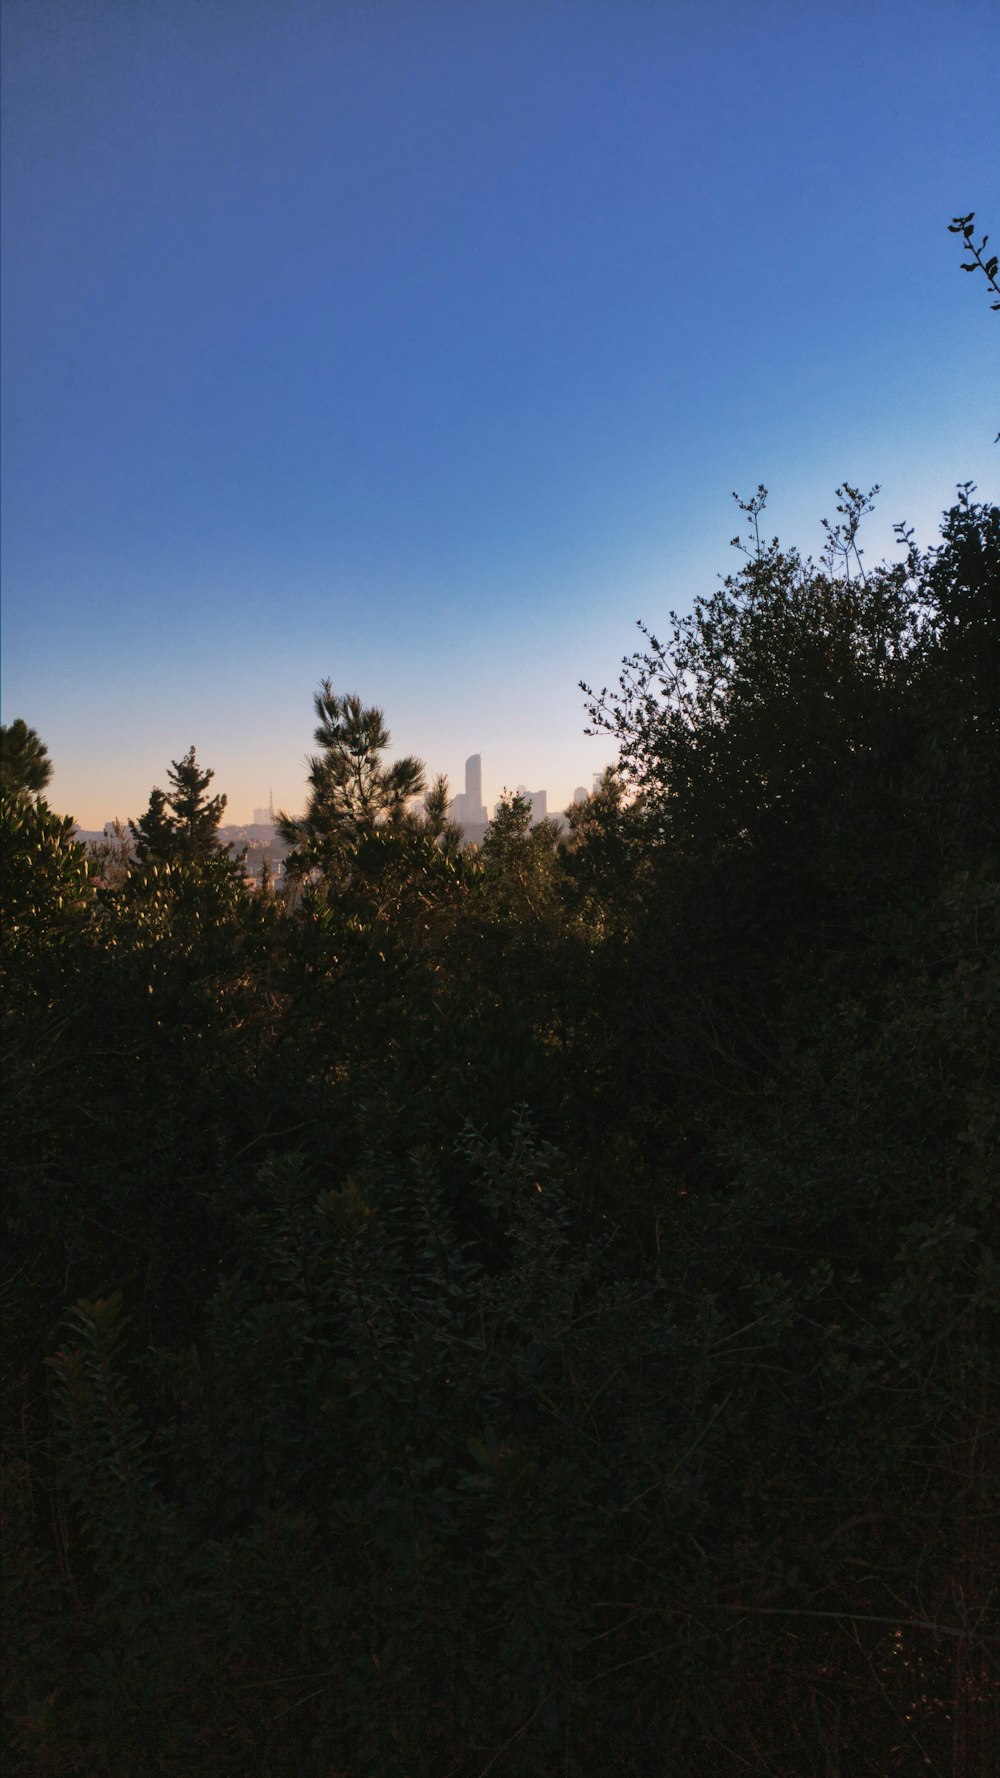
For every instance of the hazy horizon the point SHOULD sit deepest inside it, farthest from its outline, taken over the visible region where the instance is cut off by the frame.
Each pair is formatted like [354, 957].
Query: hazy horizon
[421, 347]
[235, 819]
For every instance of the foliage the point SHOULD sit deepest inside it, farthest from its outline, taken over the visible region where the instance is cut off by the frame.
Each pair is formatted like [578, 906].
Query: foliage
[764, 694]
[353, 792]
[963, 225]
[25, 766]
[397, 1429]
[46, 894]
[181, 826]
[112, 857]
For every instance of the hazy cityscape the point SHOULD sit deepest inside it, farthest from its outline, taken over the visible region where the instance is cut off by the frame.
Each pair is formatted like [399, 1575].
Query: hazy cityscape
[261, 844]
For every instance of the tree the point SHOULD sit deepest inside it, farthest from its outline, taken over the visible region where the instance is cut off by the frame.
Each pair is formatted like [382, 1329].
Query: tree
[197, 817]
[434, 820]
[46, 894]
[25, 766]
[154, 831]
[112, 857]
[958, 585]
[740, 723]
[353, 792]
[519, 854]
[602, 853]
[181, 826]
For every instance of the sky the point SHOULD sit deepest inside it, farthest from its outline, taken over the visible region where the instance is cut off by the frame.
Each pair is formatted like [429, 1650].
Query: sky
[421, 346]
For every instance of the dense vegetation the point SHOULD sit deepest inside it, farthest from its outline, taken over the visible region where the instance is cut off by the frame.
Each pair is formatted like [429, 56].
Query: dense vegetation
[528, 1311]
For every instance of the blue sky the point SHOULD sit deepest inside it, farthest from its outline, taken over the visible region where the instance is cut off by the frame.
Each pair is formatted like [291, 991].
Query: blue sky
[420, 347]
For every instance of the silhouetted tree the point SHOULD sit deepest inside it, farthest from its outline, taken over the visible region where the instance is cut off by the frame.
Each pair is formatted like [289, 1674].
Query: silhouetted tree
[154, 830]
[434, 819]
[353, 792]
[181, 826]
[197, 816]
[659, 1416]
[25, 766]
[738, 725]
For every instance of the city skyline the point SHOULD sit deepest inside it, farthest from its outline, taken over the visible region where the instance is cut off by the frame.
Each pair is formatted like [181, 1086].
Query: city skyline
[420, 348]
[466, 807]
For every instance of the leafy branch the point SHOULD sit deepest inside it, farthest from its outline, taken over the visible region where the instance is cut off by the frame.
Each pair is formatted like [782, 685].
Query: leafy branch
[962, 225]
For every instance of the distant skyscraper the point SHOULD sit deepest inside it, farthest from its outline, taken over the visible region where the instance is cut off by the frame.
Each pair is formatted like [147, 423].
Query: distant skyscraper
[474, 786]
[467, 807]
[579, 794]
[538, 802]
[265, 817]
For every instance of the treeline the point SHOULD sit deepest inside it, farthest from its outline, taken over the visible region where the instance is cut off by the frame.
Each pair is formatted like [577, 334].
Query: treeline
[529, 1310]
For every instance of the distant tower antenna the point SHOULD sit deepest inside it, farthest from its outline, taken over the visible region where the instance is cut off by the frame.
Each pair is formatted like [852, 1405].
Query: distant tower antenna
[270, 805]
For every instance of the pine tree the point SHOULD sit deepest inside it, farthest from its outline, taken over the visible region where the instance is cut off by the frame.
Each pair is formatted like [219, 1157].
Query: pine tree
[434, 820]
[353, 793]
[25, 766]
[154, 833]
[197, 817]
[181, 826]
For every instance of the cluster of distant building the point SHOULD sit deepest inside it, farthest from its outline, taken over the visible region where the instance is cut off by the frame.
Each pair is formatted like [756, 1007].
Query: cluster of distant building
[467, 807]
[469, 810]
[258, 840]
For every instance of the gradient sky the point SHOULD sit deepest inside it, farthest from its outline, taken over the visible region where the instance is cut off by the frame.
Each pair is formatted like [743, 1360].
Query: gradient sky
[420, 346]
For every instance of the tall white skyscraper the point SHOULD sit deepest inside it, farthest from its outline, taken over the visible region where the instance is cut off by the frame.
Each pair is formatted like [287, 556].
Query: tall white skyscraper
[474, 786]
[468, 807]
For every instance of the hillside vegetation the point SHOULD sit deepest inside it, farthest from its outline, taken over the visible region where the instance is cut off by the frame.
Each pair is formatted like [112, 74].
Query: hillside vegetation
[529, 1311]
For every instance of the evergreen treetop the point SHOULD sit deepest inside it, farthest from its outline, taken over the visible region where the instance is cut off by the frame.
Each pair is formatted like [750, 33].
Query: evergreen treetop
[25, 766]
[353, 791]
[181, 826]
